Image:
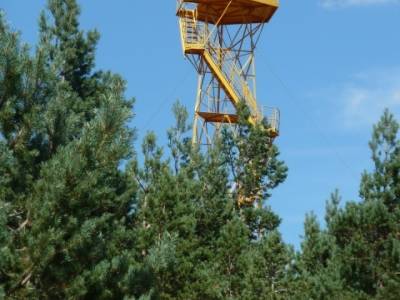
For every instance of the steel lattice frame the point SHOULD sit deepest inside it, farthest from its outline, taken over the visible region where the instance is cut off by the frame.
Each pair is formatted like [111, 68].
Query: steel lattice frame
[223, 56]
[236, 44]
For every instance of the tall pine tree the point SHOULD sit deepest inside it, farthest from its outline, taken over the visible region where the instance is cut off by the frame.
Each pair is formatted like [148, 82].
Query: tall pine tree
[65, 197]
[187, 204]
[358, 255]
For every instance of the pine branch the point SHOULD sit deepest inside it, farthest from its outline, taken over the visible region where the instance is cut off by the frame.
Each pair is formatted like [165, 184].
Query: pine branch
[27, 278]
[23, 225]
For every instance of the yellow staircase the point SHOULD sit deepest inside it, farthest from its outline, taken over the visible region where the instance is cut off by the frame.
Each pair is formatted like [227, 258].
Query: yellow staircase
[221, 62]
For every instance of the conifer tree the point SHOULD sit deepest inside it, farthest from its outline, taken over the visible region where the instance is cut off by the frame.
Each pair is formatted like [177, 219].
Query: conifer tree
[270, 271]
[319, 276]
[186, 204]
[367, 233]
[357, 256]
[252, 159]
[20, 76]
[65, 198]
[176, 202]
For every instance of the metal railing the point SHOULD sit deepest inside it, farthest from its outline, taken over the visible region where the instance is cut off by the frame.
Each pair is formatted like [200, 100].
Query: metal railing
[192, 32]
[272, 116]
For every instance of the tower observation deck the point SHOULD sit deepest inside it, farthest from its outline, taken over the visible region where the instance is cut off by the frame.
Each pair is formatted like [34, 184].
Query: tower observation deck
[219, 38]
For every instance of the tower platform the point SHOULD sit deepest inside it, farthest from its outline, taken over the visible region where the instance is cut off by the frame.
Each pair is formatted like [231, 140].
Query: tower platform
[238, 12]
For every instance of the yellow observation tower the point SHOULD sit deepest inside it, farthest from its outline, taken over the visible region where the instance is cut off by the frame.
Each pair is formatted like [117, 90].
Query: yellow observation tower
[219, 38]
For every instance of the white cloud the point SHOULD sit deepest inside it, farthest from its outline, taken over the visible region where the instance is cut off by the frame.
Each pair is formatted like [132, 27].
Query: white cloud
[366, 96]
[349, 3]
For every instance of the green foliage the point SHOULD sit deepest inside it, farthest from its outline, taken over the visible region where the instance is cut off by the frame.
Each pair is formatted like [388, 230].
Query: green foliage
[65, 227]
[79, 209]
[82, 218]
[356, 257]
[384, 182]
[212, 244]
[252, 160]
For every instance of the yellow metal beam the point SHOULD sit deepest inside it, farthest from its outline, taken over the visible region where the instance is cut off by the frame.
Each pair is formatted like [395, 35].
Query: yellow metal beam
[221, 78]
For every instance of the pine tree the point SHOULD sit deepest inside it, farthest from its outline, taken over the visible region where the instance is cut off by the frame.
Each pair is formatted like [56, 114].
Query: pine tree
[370, 239]
[318, 268]
[357, 256]
[80, 242]
[65, 195]
[269, 269]
[252, 159]
[384, 182]
[186, 204]
[19, 79]
[252, 163]
[171, 206]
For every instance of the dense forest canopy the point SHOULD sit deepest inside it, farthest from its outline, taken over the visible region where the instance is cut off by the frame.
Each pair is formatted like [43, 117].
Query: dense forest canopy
[82, 217]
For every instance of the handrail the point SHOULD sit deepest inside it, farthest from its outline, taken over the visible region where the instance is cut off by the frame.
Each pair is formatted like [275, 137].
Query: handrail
[272, 116]
[196, 36]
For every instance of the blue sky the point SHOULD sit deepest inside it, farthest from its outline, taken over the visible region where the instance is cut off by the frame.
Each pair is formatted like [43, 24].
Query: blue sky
[331, 66]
